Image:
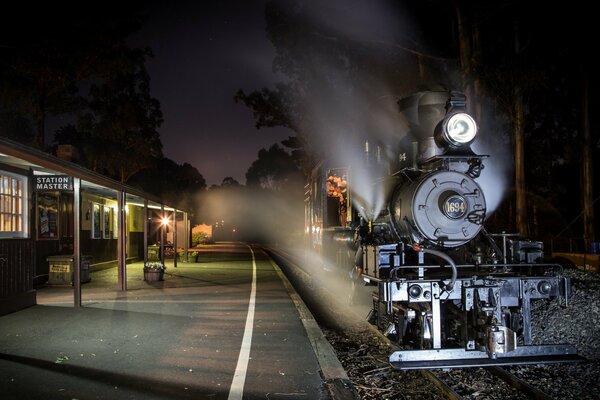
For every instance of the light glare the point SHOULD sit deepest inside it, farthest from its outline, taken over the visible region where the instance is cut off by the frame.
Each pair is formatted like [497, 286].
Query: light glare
[461, 128]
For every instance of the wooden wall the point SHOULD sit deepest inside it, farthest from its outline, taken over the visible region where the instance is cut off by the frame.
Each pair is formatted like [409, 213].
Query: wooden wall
[17, 269]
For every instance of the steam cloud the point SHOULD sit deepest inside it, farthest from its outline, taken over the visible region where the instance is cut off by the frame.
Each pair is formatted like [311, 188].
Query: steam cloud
[352, 79]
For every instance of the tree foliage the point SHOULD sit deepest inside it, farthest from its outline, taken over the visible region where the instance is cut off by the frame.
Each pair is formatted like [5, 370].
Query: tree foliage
[47, 52]
[178, 184]
[274, 170]
[338, 82]
[124, 117]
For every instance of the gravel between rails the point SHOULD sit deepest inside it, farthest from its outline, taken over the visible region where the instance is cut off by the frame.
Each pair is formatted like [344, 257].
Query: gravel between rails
[364, 355]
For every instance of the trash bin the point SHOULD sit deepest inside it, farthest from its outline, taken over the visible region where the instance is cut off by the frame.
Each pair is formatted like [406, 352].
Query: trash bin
[61, 271]
[154, 252]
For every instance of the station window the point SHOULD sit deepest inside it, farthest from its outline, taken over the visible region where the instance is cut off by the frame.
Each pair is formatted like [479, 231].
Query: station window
[13, 207]
[103, 222]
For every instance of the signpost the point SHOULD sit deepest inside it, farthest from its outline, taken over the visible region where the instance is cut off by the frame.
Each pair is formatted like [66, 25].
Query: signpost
[45, 183]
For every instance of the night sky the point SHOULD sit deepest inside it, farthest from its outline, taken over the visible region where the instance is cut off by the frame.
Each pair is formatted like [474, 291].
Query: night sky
[202, 56]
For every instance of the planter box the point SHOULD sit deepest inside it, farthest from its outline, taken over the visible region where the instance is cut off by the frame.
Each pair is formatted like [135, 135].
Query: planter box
[153, 275]
[191, 258]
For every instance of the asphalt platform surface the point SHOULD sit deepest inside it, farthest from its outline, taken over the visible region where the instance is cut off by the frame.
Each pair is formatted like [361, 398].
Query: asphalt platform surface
[180, 338]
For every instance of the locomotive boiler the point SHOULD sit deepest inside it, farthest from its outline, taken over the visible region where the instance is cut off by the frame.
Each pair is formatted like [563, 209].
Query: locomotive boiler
[448, 292]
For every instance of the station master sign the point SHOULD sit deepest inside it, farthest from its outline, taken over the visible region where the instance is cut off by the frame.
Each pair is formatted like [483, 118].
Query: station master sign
[53, 182]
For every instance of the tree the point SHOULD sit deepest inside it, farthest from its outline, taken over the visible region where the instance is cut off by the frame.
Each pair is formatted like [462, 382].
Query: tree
[341, 86]
[179, 185]
[519, 140]
[48, 51]
[228, 181]
[124, 117]
[587, 159]
[274, 170]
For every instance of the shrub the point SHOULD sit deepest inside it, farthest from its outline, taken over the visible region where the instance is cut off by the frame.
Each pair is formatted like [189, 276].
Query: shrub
[199, 238]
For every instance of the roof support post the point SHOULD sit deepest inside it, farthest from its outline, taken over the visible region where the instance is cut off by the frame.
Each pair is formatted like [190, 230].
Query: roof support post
[77, 242]
[175, 240]
[186, 232]
[121, 242]
[162, 234]
[145, 231]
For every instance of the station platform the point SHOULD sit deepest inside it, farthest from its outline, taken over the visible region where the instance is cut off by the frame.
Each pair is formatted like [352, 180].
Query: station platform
[229, 326]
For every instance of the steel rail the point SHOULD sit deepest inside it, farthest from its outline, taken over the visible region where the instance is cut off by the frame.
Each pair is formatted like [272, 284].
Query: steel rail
[518, 383]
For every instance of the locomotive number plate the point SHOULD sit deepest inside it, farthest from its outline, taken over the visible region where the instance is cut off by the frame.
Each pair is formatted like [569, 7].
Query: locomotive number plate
[455, 207]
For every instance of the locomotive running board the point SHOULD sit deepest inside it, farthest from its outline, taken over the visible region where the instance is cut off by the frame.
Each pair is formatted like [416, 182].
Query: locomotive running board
[460, 358]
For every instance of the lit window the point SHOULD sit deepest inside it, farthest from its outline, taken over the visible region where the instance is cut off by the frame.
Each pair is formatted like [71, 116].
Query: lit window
[13, 207]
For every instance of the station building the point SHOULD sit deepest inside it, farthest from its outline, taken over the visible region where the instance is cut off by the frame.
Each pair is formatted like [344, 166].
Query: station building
[51, 208]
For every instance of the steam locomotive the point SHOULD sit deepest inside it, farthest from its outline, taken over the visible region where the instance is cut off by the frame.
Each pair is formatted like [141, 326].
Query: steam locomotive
[450, 293]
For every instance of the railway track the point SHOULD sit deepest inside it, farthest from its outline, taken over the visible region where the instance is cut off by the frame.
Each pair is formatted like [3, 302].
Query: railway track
[363, 351]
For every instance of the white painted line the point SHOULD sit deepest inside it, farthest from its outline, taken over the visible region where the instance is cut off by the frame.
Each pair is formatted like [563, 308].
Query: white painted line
[239, 378]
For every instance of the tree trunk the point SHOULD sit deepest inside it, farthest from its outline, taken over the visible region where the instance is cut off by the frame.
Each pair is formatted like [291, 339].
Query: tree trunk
[475, 70]
[518, 124]
[464, 47]
[588, 163]
[520, 191]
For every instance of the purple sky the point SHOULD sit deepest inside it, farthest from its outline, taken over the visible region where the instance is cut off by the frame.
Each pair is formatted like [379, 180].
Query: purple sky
[202, 56]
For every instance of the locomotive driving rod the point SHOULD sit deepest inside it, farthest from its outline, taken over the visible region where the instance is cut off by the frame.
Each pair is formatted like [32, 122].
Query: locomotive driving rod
[443, 256]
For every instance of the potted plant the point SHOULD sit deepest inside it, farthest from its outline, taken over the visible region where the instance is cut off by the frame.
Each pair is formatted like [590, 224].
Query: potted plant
[154, 271]
[193, 256]
[181, 256]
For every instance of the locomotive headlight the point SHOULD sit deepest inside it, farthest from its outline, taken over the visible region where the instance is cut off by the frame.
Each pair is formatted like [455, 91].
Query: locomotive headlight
[414, 291]
[459, 129]
[544, 287]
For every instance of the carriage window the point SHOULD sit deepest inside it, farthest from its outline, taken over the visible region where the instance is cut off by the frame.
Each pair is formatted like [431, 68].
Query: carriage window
[13, 207]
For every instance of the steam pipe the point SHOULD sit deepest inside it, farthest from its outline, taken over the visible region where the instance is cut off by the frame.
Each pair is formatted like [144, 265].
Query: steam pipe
[446, 258]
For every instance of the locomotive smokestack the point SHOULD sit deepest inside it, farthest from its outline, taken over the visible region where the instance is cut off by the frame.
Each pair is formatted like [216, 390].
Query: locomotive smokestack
[423, 111]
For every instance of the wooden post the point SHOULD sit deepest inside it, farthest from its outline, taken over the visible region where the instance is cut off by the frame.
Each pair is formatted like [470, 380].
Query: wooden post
[121, 242]
[77, 242]
[186, 232]
[162, 234]
[175, 240]
[145, 231]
